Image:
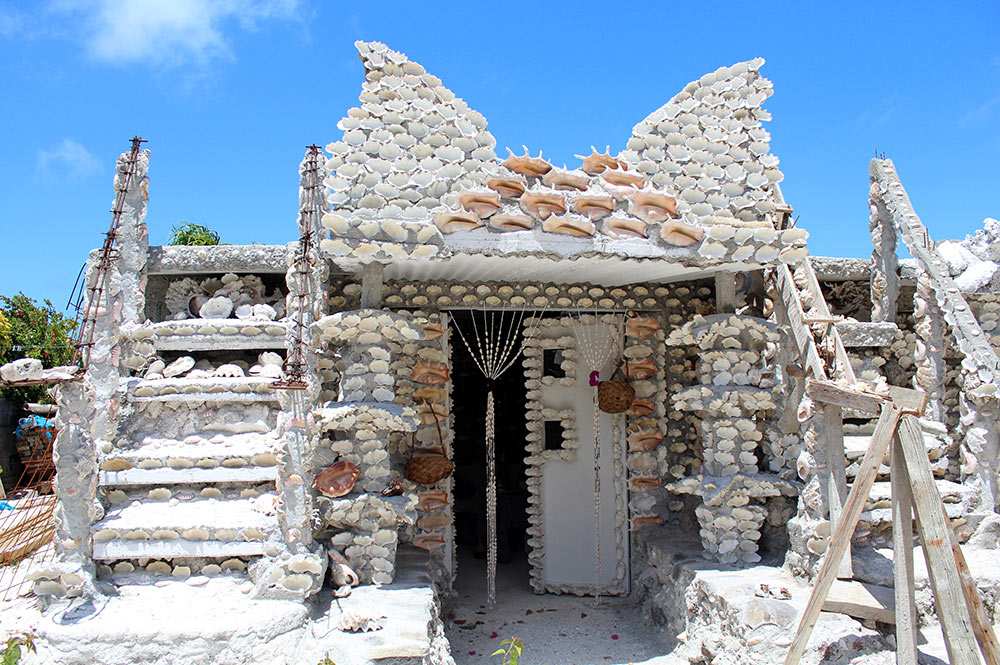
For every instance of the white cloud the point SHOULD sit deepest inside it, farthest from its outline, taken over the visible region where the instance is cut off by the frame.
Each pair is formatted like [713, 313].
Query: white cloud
[68, 160]
[981, 114]
[168, 33]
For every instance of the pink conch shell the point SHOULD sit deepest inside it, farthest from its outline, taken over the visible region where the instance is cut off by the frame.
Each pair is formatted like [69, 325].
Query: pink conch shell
[565, 180]
[430, 373]
[527, 165]
[429, 394]
[507, 188]
[643, 435]
[432, 500]
[680, 234]
[640, 369]
[337, 479]
[623, 179]
[597, 163]
[449, 222]
[482, 205]
[540, 206]
[429, 541]
[570, 226]
[430, 413]
[617, 227]
[641, 521]
[594, 207]
[653, 207]
[641, 326]
[645, 483]
[512, 222]
[640, 407]
[432, 330]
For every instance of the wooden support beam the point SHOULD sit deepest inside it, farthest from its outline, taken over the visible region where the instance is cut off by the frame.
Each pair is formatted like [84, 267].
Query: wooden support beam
[863, 601]
[725, 292]
[902, 560]
[935, 537]
[841, 537]
[836, 475]
[371, 285]
[981, 624]
[828, 392]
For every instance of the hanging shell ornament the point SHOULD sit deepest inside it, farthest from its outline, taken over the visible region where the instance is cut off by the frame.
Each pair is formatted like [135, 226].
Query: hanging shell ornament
[337, 479]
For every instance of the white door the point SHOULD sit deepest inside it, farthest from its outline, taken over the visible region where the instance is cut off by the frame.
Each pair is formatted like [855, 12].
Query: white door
[564, 555]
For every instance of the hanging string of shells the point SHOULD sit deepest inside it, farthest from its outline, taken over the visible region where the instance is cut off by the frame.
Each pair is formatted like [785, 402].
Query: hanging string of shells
[597, 347]
[497, 347]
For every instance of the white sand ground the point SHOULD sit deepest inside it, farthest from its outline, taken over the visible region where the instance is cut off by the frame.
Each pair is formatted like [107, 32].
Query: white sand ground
[555, 629]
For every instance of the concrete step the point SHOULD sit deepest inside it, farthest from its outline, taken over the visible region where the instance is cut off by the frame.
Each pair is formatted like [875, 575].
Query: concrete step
[197, 527]
[195, 453]
[210, 390]
[193, 476]
[210, 334]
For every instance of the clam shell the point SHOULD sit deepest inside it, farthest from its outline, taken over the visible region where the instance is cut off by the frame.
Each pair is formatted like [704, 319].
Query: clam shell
[337, 479]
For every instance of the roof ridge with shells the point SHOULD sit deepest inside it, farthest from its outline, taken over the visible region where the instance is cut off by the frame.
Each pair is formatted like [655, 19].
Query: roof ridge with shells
[416, 177]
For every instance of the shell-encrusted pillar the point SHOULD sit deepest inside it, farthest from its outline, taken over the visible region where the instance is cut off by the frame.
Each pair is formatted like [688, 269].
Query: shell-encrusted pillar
[357, 501]
[884, 278]
[735, 400]
[296, 567]
[930, 348]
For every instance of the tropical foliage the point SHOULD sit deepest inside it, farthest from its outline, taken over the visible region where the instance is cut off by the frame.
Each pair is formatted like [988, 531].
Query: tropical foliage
[29, 330]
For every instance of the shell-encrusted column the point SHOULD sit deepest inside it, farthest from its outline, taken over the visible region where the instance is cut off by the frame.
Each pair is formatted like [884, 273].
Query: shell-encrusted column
[735, 400]
[930, 349]
[884, 278]
[357, 499]
[297, 566]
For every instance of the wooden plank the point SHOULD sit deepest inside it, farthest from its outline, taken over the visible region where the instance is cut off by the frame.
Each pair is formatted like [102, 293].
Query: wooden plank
[828, 392]
[836, 475]
[793, 309]
[935, 537]
[841, 537]
[902, 558]
[981, 624]
[863, 601]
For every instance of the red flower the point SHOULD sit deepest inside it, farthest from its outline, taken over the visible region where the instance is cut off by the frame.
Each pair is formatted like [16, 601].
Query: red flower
[494, 635]
[615, 636]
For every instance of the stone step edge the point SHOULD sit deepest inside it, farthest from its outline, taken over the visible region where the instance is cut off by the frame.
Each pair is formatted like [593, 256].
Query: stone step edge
[190, 476]
[174, 549]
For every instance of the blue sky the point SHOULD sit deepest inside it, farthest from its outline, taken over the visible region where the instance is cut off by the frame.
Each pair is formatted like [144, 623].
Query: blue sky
[229, 93]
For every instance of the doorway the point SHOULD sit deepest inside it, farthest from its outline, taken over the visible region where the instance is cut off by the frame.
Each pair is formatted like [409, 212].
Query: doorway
[468, 408]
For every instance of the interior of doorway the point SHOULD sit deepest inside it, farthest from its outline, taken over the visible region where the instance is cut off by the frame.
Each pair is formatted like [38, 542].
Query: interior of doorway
[469, 390]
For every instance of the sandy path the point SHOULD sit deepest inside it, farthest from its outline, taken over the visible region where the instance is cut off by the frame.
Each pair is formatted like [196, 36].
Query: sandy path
[555, 629]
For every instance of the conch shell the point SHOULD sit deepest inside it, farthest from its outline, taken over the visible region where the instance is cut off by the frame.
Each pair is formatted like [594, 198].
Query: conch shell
[618, 227]
[507, 188]
[594, 207]
[512, 222]
[337, 479]
[431, 373]
[432, 500]
[429, 541]
[430, 394]
[430, 413]
[653, 207]
[680, 234]
[527, 165]
[645, 483]
[597, 163]
[580, 228]
[640, 369]
[641, 326]
[640, 407]
[432, 330]
[449, 222]
[643, 436]
[558, 179]
[433, 521]
[640, 521]
[540, 206]
[623, 179]
[482, 205]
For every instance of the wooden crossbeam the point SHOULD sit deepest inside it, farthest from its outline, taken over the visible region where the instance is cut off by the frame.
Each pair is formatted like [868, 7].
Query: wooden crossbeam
[829, 392]
[902, 558]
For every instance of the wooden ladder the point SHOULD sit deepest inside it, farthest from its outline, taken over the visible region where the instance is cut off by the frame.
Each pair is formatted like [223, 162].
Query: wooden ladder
[963, 618]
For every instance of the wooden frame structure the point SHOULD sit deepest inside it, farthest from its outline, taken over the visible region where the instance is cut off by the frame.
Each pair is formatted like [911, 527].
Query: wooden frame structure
[959, 609]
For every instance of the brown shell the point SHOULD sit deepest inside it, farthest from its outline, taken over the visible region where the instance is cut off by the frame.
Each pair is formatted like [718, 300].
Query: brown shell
[512, 222]
[623, 179]
[617, 227]
[644, 440]
[482, 205]
[641, 326]
[540, 206]
[680, 234]
[337, 479]
[432, 500]
[641, 521]
[431, 373]
[653, 207]
[640, 369]
[430, 413]
[429, 541]
[594, 207]
[432, 330]
[597, 163]
[534, 167]
[581, 228]
[394, 488]
[434, 521]
[506, 188]
[430, 394]
[449, 222]
[645, 483]
[640, 407]
[558, 179]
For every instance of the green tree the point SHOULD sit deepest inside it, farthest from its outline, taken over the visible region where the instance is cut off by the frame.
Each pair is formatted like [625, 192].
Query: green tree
[28, 330]
[193, 234]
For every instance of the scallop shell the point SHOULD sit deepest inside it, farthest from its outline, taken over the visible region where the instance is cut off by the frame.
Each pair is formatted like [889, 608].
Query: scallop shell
[337, 479]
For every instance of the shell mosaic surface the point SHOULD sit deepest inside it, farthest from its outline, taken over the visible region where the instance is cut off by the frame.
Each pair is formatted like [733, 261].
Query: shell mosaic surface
[416, 166]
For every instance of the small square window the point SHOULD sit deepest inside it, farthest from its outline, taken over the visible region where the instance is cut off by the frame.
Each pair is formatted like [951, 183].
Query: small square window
[553, 435]
[552, 363]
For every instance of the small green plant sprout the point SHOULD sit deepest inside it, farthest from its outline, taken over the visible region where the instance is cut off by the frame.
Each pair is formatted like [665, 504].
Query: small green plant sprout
[193, 234]
[512, 653]
[326, 661]
[12, 654]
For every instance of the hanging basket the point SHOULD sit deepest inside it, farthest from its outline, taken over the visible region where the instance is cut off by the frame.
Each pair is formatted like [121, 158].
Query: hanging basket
[429, 468]
[615, 396]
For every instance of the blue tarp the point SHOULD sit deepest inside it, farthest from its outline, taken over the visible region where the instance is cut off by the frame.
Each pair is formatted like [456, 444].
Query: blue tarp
[34, 422]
